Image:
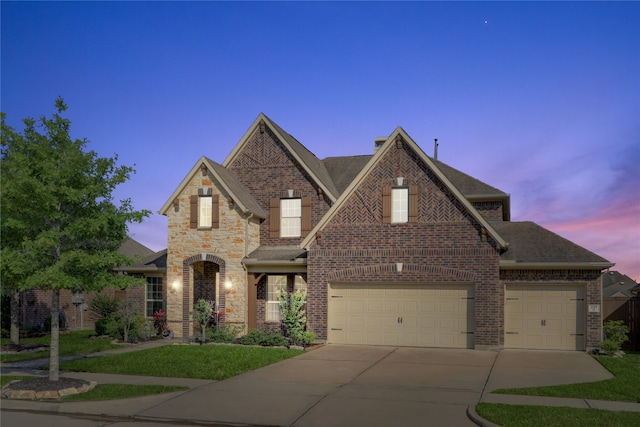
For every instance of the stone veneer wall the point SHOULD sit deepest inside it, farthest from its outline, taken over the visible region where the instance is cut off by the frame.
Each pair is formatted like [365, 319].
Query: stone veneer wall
[592, 279]
[226, 246]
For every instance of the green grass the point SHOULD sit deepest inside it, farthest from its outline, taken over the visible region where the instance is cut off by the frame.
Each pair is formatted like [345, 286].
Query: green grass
[107, 391]
[121, 391]
[535, 416]
[6, 379]
[76, 342]
[211, 362]
[625, 386]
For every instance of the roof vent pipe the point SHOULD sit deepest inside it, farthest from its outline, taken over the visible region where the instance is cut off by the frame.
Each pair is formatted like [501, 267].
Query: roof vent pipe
[435, 148]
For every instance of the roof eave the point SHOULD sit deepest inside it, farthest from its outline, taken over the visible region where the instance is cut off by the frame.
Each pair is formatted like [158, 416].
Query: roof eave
[254, 265]
[516, 265]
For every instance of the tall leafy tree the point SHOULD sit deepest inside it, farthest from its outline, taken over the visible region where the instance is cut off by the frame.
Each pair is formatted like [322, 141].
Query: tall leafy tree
[60, 228]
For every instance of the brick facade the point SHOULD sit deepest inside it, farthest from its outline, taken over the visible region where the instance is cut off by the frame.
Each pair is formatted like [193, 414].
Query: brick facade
[444, 245]
[268, 170]
[35, 306]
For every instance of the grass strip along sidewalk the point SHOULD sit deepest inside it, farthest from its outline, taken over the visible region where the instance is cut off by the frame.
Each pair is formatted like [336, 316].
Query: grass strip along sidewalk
[624, 387]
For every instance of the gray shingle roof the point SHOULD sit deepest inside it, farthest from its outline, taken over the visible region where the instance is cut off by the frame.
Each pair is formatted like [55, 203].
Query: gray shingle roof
[311, 161]
[134, 249]
[277, 253]
[614, 282]
[531, 243]
[237, 189]
[468, 185]
[343, 170]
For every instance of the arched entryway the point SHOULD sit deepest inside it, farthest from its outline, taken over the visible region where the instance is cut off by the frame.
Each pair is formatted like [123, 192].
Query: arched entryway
[203, 276]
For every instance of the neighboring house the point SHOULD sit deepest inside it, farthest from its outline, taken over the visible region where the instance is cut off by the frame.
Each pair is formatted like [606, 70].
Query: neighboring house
[393, 248]
[622, 302]
[36, 304]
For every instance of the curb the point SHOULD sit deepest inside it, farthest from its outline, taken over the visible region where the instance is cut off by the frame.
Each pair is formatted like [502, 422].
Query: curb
[473, 416]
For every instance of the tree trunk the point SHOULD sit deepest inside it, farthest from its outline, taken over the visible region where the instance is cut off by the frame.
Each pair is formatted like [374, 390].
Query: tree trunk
[15, 317]
[54, 359]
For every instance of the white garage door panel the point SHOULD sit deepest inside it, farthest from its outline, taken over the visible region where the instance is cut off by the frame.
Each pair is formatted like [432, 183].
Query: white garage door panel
[403, 315]
[545, 317]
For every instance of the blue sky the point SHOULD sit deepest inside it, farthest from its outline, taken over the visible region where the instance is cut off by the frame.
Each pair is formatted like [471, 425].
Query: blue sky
[539, 99]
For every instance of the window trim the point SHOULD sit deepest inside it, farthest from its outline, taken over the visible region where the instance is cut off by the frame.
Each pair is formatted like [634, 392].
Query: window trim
[296, 230]
[147, 300]
[387, 203]
[399, 214]
[272, 306]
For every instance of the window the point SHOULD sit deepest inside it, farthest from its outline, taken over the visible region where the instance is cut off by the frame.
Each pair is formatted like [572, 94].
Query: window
[399, 205]
[205, 210]
[154, 295]
[290, 217]
[275, 285]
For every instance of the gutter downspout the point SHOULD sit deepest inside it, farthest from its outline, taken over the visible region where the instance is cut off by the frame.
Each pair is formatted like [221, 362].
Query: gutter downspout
[246, 234]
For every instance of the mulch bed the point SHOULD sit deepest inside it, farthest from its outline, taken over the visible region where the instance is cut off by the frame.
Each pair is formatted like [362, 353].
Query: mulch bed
[41, 388]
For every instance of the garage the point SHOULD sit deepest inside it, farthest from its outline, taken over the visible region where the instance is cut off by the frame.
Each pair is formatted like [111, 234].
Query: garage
[549, 317]
[401, 315]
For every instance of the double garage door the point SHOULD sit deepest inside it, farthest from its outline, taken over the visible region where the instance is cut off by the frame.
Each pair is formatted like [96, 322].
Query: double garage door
[401, 315]
[550, 317]
[545, 317]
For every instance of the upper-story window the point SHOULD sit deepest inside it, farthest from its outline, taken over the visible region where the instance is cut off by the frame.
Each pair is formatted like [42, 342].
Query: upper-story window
[204, 212]
[399, 205]
[290, 217]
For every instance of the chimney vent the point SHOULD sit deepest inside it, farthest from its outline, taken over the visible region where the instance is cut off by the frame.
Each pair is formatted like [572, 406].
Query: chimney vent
[435, 148]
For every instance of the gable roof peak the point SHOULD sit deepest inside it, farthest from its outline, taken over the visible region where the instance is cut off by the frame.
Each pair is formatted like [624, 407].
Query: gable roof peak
[312, 165]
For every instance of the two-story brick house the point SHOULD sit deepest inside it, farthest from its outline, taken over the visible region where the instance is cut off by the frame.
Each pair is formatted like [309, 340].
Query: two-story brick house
[393, 248]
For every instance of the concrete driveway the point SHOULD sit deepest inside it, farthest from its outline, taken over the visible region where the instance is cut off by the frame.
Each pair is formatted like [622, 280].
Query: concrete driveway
[336, 386]
[344, 386]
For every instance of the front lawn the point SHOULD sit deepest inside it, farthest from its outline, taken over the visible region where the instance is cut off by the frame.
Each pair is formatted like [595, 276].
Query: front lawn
[210, 362]
[75, 342]
[623, 387]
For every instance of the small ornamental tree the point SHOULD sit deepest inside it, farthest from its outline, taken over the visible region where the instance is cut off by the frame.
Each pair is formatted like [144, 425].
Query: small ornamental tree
[60, 228]
[293, 314]
[203, 312]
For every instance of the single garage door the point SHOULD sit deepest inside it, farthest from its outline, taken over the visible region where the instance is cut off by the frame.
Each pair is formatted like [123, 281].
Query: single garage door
[402, 315]
[545, 317]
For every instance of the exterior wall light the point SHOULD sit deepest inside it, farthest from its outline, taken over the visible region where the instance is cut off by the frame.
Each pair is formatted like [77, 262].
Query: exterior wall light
[175, 286]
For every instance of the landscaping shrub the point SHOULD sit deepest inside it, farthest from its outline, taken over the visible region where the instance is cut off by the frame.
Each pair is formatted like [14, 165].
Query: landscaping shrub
[267, 337]
[616, 333]
[103, 305]
[224, 333]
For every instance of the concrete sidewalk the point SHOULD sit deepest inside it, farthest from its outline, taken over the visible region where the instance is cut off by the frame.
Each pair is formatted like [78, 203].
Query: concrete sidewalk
[348, 386]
